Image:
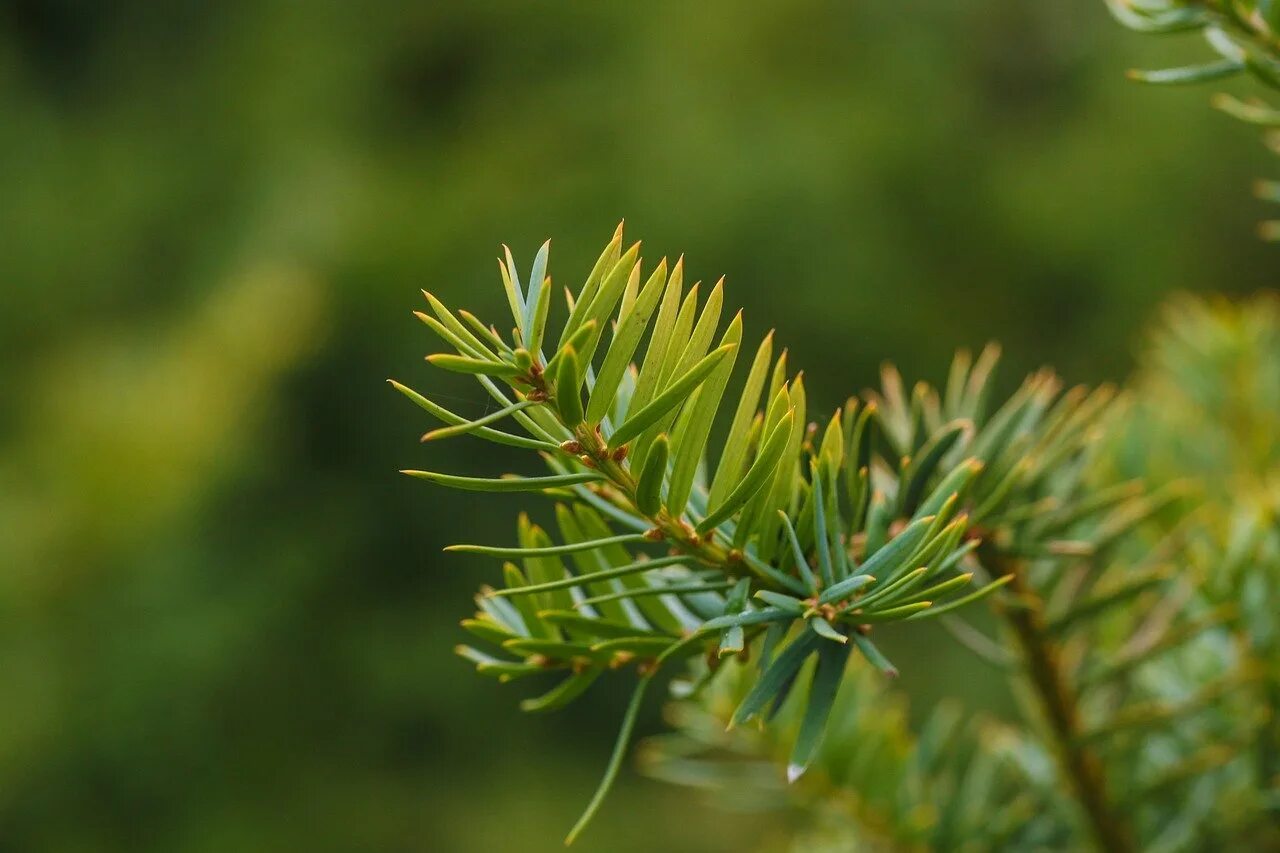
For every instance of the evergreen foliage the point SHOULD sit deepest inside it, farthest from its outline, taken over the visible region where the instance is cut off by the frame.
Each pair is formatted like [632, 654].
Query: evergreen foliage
[1243, 34]
[1164, 662]
[1126, 544]
[798, 540]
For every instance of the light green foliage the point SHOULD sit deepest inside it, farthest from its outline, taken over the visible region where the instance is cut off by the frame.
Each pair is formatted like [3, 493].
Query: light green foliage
[1206, 407]
[1207, 398]
[808, 541]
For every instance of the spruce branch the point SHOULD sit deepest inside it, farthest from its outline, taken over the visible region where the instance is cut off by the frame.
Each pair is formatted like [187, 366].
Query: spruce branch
[793, 534]
[961, 782]
[1243, 33]
[1139, 732]
[799, 540]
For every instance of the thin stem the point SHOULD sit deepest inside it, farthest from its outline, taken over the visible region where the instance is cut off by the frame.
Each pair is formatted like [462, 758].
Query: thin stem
[1060, 703]
[673, 529]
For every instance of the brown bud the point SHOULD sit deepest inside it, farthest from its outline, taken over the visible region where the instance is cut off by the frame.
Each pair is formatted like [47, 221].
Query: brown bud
[570, 447]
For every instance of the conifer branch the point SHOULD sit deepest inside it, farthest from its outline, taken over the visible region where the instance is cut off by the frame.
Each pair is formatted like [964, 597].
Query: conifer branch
[1061, 707]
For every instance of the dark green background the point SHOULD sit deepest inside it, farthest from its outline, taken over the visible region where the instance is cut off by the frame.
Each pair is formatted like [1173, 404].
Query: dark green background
[225, 622]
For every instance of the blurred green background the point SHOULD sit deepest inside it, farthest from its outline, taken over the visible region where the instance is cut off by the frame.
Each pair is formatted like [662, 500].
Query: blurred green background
[226, 621]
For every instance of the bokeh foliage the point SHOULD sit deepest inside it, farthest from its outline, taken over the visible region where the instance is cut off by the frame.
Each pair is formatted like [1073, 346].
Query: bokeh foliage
[1153, 650]
[1242, 36]
[226, 625]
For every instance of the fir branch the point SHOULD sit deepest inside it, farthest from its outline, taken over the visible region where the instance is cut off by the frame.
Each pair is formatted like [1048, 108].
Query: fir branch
[1060, 704]
[1244, 34]
[782, 535]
